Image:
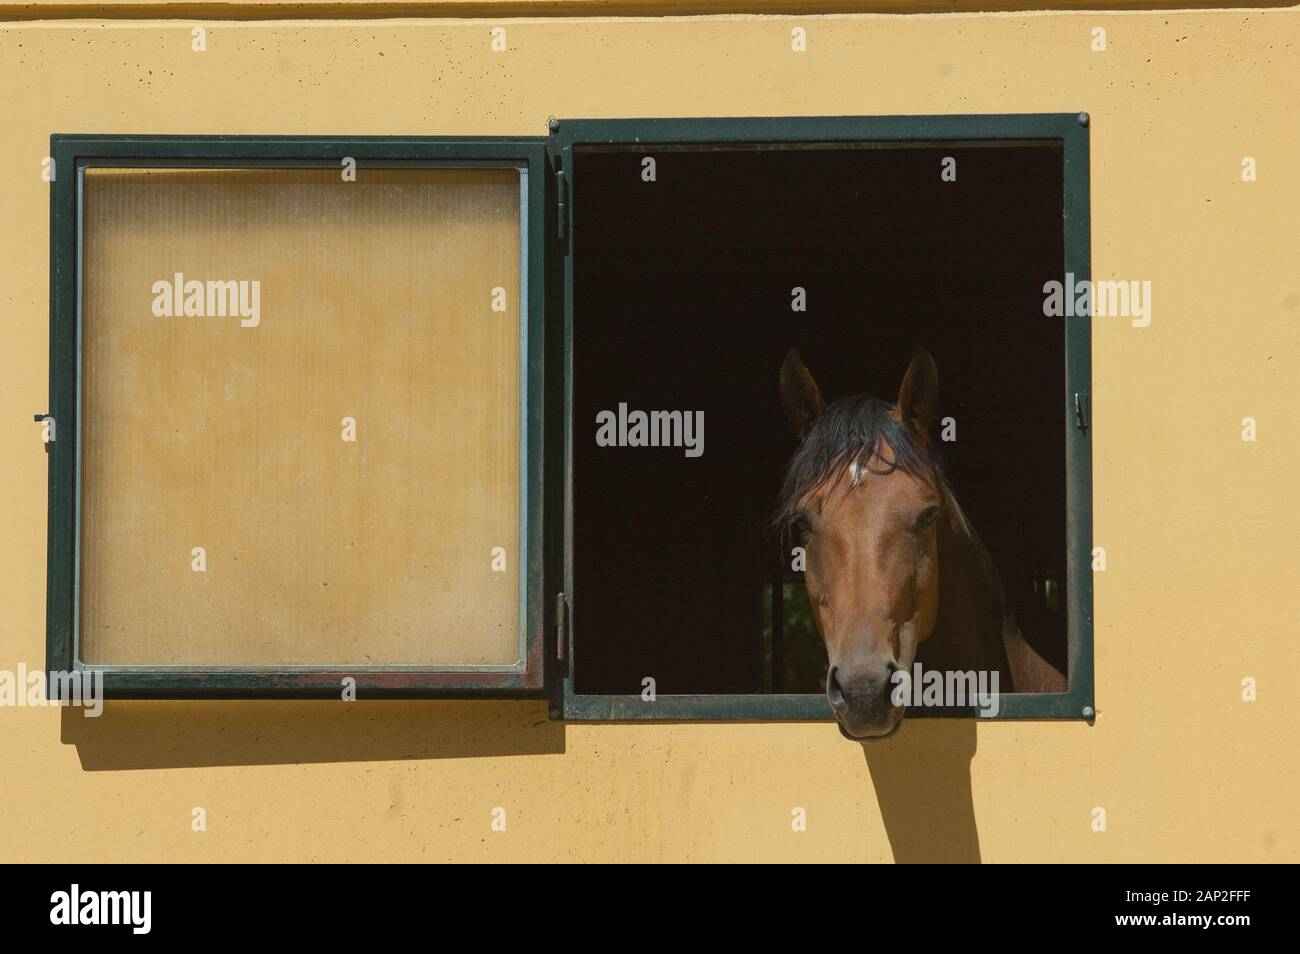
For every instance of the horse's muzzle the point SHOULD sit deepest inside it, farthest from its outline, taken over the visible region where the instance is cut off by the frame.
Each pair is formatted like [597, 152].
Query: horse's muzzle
[862, 700]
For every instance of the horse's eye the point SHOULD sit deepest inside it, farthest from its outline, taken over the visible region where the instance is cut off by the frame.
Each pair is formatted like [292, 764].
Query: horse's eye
[927, 518]
[802, 529]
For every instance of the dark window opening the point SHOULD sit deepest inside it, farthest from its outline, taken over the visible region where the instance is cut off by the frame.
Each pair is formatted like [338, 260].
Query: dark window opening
[682, 301]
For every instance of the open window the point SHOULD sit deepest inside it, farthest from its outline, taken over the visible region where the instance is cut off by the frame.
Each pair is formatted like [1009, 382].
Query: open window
[699, 253]
[367, 408]
[297, 388]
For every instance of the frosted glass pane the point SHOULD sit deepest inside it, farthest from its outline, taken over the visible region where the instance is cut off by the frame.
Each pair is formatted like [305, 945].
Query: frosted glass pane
[393, 302]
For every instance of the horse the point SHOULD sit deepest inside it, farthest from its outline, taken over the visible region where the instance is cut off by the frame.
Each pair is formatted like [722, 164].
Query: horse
[895, 572]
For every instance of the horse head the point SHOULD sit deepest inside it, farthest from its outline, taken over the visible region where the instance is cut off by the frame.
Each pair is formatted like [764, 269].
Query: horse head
[864, 497]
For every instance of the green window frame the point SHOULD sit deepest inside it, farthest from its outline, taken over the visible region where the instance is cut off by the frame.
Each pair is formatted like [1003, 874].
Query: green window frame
[550, 623]
[73, 154]
[1071, 130]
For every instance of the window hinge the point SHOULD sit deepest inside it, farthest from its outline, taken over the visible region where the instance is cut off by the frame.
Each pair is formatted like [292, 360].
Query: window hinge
[1083, 410]
[561, 206]
[561, 627]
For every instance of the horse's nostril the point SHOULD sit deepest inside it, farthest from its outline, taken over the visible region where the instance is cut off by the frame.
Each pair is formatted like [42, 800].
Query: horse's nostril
[833, 690]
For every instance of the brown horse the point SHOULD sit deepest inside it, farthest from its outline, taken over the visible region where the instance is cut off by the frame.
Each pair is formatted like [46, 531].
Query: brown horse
[895, 572]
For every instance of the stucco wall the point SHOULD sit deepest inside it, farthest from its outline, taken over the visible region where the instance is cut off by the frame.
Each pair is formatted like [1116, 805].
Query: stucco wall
[1199, 526]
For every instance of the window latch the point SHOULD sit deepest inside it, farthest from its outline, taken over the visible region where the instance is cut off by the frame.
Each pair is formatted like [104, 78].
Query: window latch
[40, 418]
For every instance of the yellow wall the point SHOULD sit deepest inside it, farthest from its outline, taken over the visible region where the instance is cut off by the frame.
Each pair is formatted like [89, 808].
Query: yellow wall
[1200, 527]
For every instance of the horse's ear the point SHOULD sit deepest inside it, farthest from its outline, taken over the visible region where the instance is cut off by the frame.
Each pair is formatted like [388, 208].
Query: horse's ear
[800, 395]
[918, 397]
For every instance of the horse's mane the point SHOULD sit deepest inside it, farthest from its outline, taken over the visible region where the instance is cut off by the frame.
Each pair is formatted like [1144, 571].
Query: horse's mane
[853, 431]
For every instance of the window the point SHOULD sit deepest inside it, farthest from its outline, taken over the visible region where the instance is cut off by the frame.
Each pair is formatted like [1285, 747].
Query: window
[701, 252]
[368, 408]
[298, 391]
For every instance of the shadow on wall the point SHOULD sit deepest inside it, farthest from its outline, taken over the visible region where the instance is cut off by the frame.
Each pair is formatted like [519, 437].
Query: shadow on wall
[923, 786]
[171, 734]
[921, 776]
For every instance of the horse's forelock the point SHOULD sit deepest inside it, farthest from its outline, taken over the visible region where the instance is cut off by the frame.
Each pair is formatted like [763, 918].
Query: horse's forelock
[852, 435]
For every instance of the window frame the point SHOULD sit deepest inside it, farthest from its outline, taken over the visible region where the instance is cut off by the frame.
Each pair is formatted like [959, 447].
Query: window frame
[1072, 130]
[72, 154]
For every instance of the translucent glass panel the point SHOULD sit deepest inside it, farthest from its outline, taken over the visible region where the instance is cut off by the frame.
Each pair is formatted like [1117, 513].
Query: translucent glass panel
[300, 417]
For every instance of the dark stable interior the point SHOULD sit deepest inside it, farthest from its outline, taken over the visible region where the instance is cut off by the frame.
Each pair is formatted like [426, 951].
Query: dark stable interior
[682, 301]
